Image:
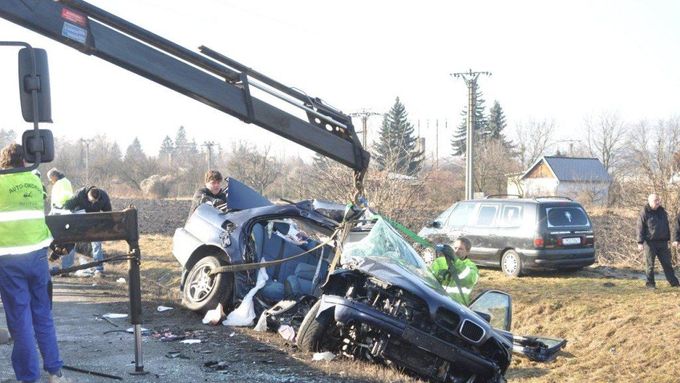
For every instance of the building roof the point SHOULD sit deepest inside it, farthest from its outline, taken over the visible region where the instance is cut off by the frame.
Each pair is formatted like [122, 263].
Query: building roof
[574, 168]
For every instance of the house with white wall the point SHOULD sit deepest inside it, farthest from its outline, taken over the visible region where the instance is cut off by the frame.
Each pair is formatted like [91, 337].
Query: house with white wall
[577, 178]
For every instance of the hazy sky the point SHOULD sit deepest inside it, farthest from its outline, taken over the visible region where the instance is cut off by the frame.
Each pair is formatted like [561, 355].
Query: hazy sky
[550, 60]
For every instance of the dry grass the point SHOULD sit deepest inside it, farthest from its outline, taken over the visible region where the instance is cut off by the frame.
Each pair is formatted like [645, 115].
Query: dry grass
[617, 330]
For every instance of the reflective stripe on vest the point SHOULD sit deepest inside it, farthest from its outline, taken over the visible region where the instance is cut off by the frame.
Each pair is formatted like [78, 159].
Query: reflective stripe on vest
[20, 215]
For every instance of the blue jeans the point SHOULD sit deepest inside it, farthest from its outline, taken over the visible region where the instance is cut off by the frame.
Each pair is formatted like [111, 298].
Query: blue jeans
[68, 259]
[23, 288]
[98, 254]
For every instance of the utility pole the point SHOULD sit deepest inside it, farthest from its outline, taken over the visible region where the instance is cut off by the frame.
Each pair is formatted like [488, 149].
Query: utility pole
[209, 145]
[470, 79]
[87, 143]
[364, 114]
[436, 143]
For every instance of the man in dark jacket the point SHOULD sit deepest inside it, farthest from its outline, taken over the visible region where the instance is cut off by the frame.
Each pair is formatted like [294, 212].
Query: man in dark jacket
[653, 234]
[92, 200]
[211, 193]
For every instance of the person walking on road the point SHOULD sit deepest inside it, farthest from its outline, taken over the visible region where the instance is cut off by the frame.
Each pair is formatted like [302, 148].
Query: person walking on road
[653, 234]
[91, 200]
[24, 271]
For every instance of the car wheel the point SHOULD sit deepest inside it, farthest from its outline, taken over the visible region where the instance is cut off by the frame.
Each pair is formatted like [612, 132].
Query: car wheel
[313, 329]
[511, 263]
[203, 292]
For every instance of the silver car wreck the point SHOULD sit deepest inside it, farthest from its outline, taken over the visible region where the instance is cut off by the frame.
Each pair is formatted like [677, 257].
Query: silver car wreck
[375, 299]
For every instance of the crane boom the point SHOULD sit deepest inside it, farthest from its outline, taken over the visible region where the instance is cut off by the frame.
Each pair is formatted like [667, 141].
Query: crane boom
[208, 77]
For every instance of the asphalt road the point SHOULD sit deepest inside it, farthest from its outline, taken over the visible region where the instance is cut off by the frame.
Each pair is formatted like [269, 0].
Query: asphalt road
[224, 354]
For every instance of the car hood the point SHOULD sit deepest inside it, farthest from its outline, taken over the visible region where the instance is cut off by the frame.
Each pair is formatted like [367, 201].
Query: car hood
[419, 282]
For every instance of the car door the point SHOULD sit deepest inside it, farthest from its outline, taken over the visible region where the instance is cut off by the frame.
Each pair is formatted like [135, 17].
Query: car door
[510, 232]
[479, 231]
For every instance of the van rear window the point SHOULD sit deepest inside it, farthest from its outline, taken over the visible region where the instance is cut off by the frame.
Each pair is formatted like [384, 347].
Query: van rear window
[566, 216]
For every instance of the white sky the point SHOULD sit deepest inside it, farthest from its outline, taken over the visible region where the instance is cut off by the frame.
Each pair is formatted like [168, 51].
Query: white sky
[550, 60]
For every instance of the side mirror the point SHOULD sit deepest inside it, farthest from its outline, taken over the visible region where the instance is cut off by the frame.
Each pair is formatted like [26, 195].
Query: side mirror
[495, 307]
[435, 224]
[38, 142]
[28, 83]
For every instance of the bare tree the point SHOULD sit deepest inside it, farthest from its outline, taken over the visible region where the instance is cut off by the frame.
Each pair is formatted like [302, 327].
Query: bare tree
[493, 162]
[534, 139]
[255, 168]
[606, 139]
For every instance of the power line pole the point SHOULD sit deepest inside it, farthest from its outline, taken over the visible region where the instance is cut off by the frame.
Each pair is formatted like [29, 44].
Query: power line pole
[364, 114]
[470, 79]
[436, 142]
[87, 143]
[209, 145]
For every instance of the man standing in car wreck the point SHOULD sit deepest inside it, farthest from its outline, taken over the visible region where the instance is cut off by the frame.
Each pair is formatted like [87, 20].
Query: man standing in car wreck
[653, 234]
[457, 274]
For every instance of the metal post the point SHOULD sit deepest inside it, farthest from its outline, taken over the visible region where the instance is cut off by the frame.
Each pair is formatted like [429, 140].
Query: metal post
[470, 79]
[209, 145]
[436, 143]
[87, 143]
[364, 115]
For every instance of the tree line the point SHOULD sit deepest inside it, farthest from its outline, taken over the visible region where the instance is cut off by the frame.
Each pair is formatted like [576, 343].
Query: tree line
[640, 157]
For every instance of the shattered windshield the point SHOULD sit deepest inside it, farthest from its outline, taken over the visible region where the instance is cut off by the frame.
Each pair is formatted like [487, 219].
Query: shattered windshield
[382, 241]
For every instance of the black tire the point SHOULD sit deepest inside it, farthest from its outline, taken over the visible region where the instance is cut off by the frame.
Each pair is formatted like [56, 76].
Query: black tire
[313, 329]
[511, 264]
[202, 292]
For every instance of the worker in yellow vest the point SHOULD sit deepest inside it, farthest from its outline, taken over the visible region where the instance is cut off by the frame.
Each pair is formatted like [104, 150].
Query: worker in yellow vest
[24, 274]
[457, 274]
[62, 191]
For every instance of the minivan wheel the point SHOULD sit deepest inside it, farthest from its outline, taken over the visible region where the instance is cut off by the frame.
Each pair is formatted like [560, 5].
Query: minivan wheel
[511, 264]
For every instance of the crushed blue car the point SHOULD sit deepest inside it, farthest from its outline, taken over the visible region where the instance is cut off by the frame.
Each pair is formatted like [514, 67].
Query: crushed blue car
[376, 301]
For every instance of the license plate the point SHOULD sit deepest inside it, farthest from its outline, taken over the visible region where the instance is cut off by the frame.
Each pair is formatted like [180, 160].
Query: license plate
[571, 241]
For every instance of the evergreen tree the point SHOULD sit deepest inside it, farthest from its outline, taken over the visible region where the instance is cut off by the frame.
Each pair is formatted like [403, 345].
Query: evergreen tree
[496, 121]
[396, 148]
[459, 138]
[496, 124]
[166, 150]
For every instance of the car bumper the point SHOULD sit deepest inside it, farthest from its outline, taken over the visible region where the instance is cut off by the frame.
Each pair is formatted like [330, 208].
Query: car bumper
[558, 258]
[347, 311]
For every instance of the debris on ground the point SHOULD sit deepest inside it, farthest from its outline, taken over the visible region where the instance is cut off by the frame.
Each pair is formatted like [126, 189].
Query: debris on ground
[190, 341]
[161, 309]
[114, 316]
[216, 366]
[327, 356]
[176, 354]
[120, 280]
[287, 332]
[214, 316]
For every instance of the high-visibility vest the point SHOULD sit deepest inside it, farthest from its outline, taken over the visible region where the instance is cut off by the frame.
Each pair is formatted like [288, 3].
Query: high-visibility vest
[467, 274]
[22, 214]
[62, 191]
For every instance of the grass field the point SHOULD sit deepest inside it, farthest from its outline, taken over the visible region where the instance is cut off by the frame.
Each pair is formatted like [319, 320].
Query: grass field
[617, 330]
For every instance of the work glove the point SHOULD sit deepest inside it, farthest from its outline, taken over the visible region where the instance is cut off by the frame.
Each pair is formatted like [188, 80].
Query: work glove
[446, 251]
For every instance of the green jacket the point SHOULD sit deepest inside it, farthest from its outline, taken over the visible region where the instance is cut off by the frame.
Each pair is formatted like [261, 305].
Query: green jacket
[22, 214]
[62, 191]
[467, 274]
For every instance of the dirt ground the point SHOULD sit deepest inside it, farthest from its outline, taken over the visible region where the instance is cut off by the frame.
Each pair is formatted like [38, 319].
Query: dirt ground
[617, 330]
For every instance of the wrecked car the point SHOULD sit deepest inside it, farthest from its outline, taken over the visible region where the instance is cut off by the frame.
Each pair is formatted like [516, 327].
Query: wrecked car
[377, 301]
